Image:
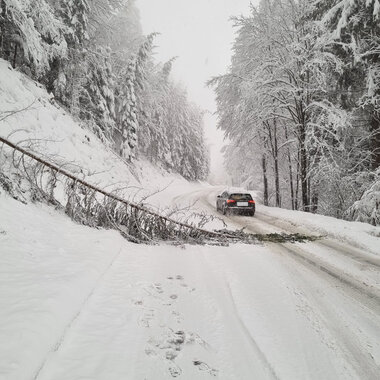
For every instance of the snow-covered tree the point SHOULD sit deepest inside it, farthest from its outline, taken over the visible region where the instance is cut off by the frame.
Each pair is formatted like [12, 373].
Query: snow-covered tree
[74, 14]
[92, 56]
[185, 135]
[275, 94]
[353, 35]
[97, 97]
[32, 34]
[127, 107]
[367, 208]
[153, 137]
[171, 128]
[68, 75]
[125, 34]
[294, 94]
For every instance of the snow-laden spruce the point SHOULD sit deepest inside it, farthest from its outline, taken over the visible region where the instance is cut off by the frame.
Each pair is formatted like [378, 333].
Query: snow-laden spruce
[93, 57]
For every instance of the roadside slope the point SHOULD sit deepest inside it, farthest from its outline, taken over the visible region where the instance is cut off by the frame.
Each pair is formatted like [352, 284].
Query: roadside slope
[29, 116]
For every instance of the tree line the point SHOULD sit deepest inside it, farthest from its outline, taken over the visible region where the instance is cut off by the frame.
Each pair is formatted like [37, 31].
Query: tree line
[300, 105]
[93, 57]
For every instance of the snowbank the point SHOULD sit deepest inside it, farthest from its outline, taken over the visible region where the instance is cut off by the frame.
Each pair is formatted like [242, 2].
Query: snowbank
[49, 265]
[361, 235]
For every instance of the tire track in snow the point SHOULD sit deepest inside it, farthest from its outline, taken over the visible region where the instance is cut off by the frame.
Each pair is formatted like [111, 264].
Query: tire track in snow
[364, 294]
[367, 296]
[362, 361]
[356, 289]
[255, 347]
[61, 339]
[346, 250]
[361, 286]
[302, 256]
[370, 292]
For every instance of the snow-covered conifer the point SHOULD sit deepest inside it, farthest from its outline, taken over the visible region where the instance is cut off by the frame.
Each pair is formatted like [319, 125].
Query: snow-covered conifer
[32, 34]
[127, 107]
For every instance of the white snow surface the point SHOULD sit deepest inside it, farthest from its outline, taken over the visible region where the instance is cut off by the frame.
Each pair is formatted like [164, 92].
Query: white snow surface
[357, 234]
[81, 303]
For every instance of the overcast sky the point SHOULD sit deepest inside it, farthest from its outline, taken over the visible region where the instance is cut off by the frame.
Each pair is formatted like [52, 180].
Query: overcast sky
[200, 33]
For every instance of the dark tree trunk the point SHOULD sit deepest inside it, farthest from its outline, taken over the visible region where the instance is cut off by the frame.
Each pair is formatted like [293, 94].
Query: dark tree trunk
[265, 179]
[272, 133]
[290, 171]
[303, 170]
[314, 202]
[15, 56]
[291, 183]
[2, 27]
[276, 172]
[375, 140]
[296, 202]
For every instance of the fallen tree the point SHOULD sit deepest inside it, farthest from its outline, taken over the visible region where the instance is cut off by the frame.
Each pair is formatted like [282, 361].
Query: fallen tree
[91, 205]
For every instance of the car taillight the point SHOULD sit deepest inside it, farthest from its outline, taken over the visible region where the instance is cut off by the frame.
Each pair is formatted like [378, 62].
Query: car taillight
[251, 202]
[230, 201]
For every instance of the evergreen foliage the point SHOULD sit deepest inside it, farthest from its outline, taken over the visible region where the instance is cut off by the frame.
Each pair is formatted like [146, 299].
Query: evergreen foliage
[171, 128]
[92, 56]
[31, 35]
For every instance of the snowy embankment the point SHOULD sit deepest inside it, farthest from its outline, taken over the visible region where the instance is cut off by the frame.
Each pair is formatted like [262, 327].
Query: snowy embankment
[360, 235]
[30, 117]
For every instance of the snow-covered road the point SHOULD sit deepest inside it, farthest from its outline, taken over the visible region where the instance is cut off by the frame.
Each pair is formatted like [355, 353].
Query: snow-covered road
[78, 303]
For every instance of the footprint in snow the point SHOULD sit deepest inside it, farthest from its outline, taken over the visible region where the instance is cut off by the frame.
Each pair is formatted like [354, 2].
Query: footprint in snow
[174, 370]
[158, 288]
[202, 366]
[146, 318]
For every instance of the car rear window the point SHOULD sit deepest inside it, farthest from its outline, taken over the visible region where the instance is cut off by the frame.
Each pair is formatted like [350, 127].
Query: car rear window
[241, 197]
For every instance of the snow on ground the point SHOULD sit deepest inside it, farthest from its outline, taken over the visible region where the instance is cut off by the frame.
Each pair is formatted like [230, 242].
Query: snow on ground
[360, 235]
[80, 303]
[32, 117]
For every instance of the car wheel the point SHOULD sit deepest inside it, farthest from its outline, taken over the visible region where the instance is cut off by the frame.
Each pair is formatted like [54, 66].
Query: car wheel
[224, 210]
[252, 213]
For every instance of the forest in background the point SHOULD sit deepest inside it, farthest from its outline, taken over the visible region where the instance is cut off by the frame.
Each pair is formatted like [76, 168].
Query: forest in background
[93, 57]
[300, 106]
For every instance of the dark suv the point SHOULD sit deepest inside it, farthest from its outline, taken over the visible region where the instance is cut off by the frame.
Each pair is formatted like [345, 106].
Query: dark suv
[239, 203]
